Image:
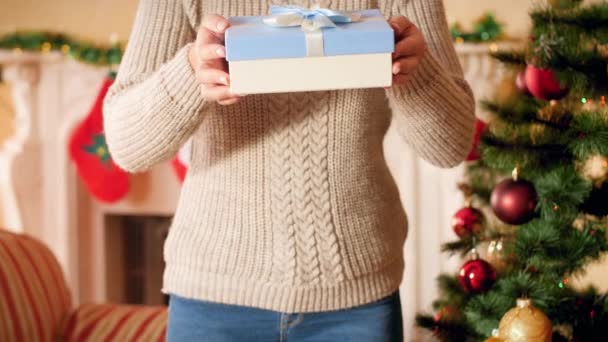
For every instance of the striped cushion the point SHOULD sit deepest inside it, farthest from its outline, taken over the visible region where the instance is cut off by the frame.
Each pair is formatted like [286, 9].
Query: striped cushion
[34, 298]
[113, 322]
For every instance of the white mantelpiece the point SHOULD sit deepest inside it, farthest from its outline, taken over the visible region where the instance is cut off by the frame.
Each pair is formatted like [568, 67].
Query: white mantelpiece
[41, 194]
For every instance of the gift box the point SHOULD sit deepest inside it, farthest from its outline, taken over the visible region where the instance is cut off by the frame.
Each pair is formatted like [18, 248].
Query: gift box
[296, 49]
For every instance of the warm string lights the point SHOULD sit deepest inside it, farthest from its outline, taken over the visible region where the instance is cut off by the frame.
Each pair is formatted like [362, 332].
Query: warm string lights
[594, 104]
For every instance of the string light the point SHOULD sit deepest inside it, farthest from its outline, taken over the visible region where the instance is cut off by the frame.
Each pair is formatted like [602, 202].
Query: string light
[603, 100]
[46, 47]
[493, 48]
[583, 100]
[65, 48]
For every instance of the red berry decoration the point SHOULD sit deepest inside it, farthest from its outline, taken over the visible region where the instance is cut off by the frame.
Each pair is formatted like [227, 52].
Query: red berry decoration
[514, 201]
[468, 221]
[543, 84]
[520, 82]
[477, 276]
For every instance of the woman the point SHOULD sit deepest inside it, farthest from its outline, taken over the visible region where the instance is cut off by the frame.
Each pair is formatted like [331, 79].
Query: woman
[289, 226]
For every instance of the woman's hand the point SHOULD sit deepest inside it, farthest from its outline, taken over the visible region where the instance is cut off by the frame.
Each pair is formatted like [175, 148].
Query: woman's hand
[207, 58]
[410, 48]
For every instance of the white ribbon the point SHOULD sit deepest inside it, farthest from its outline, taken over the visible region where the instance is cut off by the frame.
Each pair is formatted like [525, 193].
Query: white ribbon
[311, 21]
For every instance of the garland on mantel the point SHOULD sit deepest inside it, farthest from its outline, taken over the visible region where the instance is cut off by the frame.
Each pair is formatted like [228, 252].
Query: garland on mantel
[485, 29]
[46, 42]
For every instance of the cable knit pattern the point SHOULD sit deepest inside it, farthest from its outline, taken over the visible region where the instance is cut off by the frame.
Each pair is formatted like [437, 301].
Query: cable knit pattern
[288, 204]
[283, 220]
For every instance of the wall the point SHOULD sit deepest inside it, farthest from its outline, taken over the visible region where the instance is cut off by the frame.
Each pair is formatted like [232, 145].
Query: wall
[97, 19]
[6, 115]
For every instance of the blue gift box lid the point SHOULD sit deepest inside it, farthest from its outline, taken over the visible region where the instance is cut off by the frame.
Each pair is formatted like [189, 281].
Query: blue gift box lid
[249, 38]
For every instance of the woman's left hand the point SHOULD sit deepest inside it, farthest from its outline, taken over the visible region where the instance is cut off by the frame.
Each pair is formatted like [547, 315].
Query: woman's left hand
[410, 48]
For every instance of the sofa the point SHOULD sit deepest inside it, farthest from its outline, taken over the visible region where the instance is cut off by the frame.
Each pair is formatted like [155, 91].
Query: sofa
[35, 302]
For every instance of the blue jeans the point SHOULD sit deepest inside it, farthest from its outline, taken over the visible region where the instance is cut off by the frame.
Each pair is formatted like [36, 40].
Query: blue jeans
[193, 320]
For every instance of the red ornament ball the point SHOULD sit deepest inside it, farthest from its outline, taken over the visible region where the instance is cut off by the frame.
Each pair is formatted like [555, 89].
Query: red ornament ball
[477, 276]
[543, 84]
[514, 201]
[468, 221]
[520, 82]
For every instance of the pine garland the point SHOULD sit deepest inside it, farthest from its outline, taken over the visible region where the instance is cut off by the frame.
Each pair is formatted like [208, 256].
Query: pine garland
[46, 42]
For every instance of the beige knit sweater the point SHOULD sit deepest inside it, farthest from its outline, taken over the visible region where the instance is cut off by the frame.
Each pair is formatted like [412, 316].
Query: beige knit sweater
[288, 204]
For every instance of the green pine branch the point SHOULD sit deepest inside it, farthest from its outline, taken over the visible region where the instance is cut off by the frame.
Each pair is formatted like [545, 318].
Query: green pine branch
[512, 58]
[588, 18]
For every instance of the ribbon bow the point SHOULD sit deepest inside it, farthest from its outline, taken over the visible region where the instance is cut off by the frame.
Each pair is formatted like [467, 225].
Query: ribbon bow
[309, 19]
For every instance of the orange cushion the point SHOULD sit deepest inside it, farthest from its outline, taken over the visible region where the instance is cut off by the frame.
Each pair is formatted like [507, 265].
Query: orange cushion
[34, 298]
[114, 322]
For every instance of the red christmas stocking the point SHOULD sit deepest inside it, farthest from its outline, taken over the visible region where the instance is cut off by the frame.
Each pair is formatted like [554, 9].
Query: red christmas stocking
[181, 162]
[89, 152]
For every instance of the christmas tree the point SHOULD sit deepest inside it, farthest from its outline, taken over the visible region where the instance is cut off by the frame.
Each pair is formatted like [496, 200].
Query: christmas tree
[536, 211]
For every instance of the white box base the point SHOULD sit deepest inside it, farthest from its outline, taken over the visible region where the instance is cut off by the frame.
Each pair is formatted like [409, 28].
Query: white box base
[311, 73]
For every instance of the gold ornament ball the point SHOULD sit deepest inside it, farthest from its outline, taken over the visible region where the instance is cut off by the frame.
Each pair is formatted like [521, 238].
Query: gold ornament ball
[507, 90]
[525, 323]
[494, 339]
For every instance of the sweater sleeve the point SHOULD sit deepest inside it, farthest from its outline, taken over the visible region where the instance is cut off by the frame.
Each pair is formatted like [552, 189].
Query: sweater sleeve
[434, 112]
[155, 103]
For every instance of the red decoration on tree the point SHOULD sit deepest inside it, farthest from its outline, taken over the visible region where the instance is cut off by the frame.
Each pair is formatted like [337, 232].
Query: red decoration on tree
[468, 221]
[543, 84]
[89, 152]
[477, 276]
[480, 127]
[448, 313]
[520, 82]
[514, 201]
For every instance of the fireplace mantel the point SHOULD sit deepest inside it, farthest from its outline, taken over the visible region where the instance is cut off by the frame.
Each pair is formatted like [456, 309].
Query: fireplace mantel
[40, 193]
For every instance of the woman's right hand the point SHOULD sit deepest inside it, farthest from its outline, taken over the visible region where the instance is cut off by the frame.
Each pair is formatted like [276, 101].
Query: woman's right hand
[207, 58]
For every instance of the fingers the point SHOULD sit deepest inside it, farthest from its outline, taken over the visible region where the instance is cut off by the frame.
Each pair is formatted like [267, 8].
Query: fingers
[229, 101]
[211, 77]
[211, 68]
[400, 79]
[212, 51]
[401, 25]
[220, 94]
[405, 66]
[409, 46]
[212, 29]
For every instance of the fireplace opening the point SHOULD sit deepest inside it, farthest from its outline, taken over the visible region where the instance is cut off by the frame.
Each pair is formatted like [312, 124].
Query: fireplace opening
[134, 258]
